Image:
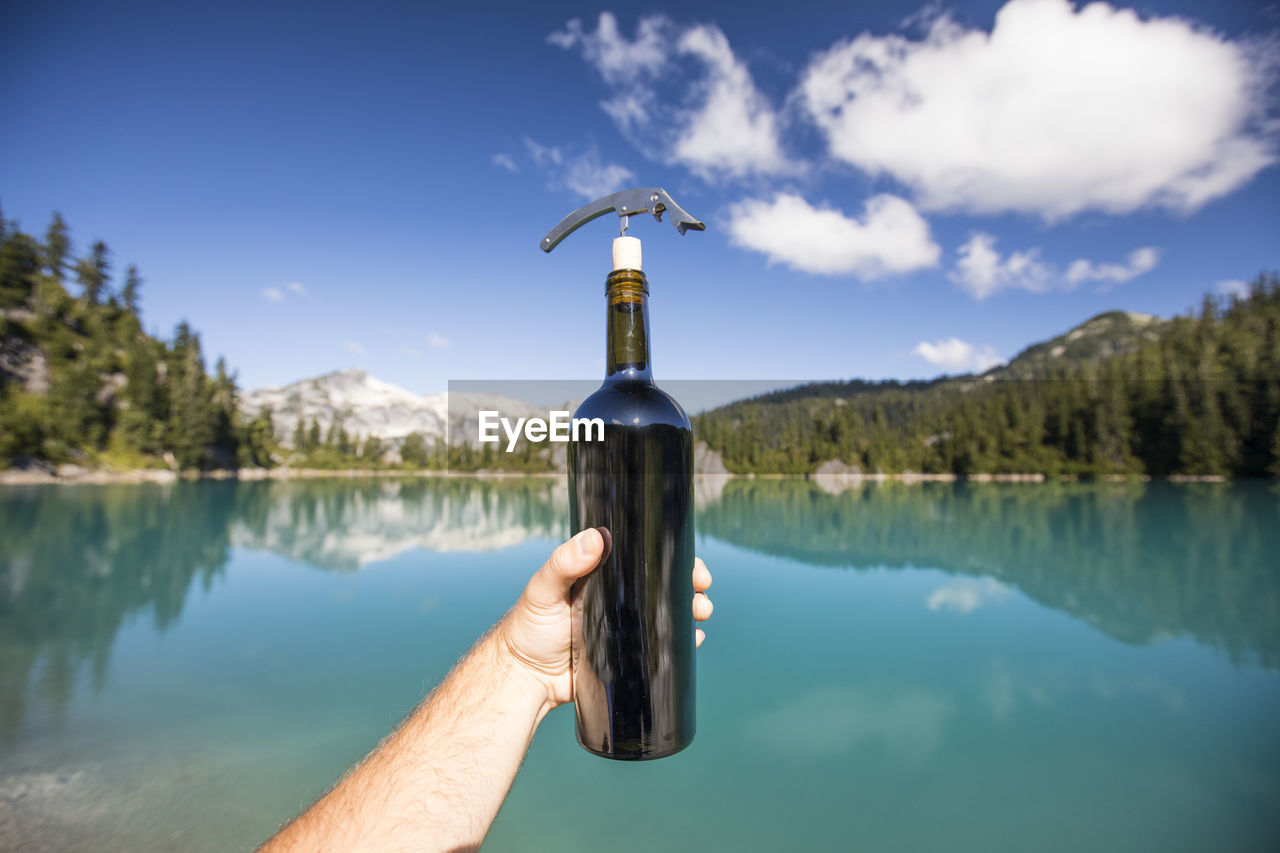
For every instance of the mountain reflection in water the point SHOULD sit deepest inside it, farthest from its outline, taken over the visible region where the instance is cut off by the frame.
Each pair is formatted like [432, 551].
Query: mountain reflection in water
[1138, 561]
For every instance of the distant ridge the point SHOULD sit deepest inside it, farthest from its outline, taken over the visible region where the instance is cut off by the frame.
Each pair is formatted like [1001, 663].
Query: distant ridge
[1101, 337]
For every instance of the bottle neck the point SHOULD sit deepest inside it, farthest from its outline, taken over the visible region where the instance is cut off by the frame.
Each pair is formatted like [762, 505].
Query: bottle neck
[627, 348]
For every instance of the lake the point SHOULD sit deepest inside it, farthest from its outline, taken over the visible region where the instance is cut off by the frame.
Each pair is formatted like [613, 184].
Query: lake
[987, 667]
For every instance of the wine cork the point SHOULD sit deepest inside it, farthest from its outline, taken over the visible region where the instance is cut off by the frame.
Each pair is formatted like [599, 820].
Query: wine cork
[626, 253]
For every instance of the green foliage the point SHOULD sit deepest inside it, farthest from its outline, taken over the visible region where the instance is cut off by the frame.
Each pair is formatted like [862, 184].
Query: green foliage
[94, 272]
[414, 451]
[24, 422]
[87, 384]
[19, 263]
[57, 247]
[1197, 395]
[129, 293]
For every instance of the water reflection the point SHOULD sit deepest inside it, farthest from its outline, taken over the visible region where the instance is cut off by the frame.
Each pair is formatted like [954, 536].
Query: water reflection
[77, 562]
[345, 525]
[1138, 561]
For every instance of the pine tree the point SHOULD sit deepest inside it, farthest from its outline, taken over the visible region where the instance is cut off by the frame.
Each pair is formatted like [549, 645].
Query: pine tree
[414, 450]
[93, 273]
[300, 433]
[372, 450]
[129, 293]
[191, 420]
[57, 247]
[19, 263]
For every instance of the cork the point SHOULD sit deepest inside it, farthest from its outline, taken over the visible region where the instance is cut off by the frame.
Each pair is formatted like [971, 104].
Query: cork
[626, 253]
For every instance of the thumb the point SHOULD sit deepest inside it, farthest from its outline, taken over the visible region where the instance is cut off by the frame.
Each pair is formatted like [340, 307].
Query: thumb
[574, 559]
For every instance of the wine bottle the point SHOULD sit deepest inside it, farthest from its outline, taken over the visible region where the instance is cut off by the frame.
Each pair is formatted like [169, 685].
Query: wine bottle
[633, 632]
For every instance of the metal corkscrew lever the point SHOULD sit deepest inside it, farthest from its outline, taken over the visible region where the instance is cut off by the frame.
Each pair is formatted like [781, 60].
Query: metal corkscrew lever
[626, 203]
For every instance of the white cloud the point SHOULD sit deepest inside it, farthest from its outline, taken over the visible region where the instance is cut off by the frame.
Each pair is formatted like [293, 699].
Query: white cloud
[505, 162]
[716, 122]
[273, 294]
[734, 130]
[354, 347]
[543, 156]
[956, 355]
[1139, 261]
[588, 177]
[437, 341]
[582, 173]
[618, 60]
[1234, 287]
[1055, 111]
[411, 352]
[630, 109]
[296, 287]
[890, 237]
[982, 271]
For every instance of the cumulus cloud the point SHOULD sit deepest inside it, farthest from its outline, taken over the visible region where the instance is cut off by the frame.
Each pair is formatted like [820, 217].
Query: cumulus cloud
[354, 347]
[1055, 111]
[734, 129]
[982, 270]
[890, 236]
[1234, 287]
[958, 356]
[273, 294]
[1139, 261]
[437, 341]
[718, 124]
[582, 173]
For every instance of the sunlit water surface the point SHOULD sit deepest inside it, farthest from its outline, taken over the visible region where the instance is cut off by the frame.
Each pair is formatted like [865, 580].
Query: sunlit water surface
[896, 667]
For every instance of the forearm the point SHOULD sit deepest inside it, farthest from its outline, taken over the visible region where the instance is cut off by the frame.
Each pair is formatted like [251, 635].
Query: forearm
[437, 782]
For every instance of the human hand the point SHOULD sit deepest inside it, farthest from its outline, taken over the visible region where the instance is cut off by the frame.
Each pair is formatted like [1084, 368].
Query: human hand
[536, 632]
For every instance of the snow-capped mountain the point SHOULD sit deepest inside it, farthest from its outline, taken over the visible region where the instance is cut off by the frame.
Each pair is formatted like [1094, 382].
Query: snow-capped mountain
[368, 406]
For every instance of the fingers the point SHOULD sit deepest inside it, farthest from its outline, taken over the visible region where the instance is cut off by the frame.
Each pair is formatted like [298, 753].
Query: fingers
[701, 576]
[702, 606]
[574, 559]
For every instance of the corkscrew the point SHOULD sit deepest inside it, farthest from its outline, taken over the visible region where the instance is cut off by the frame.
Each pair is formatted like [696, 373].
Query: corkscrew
[626, 203]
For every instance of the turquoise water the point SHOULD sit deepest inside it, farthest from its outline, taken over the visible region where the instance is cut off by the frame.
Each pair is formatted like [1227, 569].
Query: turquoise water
[897, 667]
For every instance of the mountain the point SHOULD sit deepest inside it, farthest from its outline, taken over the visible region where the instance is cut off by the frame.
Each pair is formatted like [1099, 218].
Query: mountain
[1097, 339]
[366, 406]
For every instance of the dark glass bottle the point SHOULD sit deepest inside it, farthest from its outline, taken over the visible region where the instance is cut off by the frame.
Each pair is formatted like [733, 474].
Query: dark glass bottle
[633, 636]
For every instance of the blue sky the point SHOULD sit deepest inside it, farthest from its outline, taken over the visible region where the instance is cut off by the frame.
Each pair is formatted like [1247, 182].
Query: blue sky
[890, 191]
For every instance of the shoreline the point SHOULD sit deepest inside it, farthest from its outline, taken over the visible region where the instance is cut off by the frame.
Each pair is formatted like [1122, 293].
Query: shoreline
[74, 475]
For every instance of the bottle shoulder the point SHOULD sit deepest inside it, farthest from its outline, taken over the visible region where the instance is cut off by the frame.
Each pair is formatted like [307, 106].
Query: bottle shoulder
[633, 404]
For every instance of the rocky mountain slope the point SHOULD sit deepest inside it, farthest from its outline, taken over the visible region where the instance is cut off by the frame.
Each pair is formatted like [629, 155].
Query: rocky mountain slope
[365, 406]
[1112, 333]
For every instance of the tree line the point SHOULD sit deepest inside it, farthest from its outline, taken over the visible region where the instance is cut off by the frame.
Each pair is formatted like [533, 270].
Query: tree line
[82, 382]
[1203, 398]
